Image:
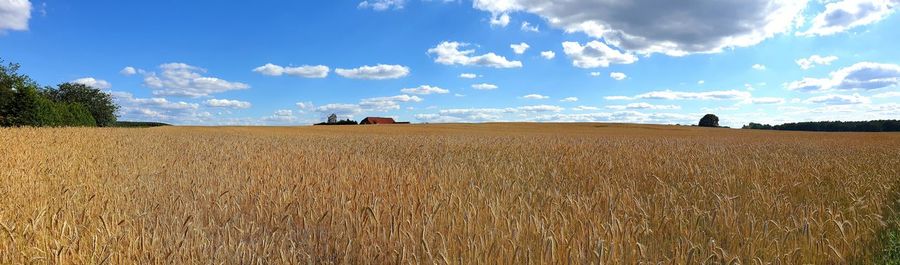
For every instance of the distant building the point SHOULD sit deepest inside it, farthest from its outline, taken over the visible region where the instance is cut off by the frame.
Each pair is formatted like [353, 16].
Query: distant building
[377, 120]
[332, 118]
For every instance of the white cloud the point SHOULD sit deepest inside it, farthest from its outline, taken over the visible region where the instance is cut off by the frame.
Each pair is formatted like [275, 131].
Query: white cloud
[484, 86]
[569, 99]
[519, 48]
[14, 14]
[307, 71]
[701, 82]
[448, 53]
[682, 95]
[378, 72]
[179, 79]
[468, 76]
[652, 26]
[585, 108]
[227, 103]
[767, 100]
[157, 109]
[860, 76]
[92, 82]
[343, 110]
[595, 54]
[386, 103]
[812, 61]
[535, 96]
[425, 90]
[305, 106]
[628, 116]
[847, 14]
[891, 94]
[642, 105]
[759, 67]
[596, 74]
[540, 108]
[527, 27]
[834, 99]
[128, 70]
[549, 55]
[618, 75]
[500, 20]
[381, 5]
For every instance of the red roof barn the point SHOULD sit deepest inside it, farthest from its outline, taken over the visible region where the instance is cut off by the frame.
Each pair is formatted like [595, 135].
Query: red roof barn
[377, 120]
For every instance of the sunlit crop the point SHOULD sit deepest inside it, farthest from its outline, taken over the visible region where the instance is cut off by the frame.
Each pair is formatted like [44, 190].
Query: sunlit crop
[455, 194]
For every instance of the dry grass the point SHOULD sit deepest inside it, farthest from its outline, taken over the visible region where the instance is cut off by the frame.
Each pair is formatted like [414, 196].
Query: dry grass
[458, 194]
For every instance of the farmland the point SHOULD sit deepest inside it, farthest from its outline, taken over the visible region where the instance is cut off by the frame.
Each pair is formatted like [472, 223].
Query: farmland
[456, 194]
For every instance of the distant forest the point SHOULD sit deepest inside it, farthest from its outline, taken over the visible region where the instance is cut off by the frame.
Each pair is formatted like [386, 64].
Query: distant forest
[832, 126]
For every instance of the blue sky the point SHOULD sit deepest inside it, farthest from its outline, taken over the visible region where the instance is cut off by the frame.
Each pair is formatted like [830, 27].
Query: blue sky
[295, 62]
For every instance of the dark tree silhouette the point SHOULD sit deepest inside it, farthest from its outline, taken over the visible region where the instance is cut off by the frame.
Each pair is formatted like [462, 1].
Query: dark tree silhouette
[709, 120]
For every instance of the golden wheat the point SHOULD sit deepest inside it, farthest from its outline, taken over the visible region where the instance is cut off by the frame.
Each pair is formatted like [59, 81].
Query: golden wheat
[447, 194]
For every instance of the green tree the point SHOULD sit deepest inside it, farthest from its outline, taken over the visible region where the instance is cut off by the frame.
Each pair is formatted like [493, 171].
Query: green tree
[10, 82]
[97, 102]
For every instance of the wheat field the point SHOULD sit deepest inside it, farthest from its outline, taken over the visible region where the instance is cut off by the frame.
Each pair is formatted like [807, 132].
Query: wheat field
[444, 194]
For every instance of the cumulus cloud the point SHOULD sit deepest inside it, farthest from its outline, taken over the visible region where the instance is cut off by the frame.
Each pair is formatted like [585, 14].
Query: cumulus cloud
[307, 71]
[379, 104]
[468, 76]
[767, 100]
[519, 48]
[501, 20]
[381, 5]
[305, 106]
[683, 95]
[449, 53]
[549, 55]
[378, 72]
[535, 96]
[158, 109]
[618, 75]
[484, 86]
[93, 82]
[646, 106]
[425, 90]
[226, 103]
[585, 108]
[569, 99]
[179, 79]
[344, 110]
[595, 74]
[812, 61]
[282, 115]
[540, 108]
[891, 94]
[595, 54]
[759, 67]
[847, 14]
[387, 103]
[128, 70]
[14, 14]
[670, 27]
[860, 76]
[527, 27]
[834, 99]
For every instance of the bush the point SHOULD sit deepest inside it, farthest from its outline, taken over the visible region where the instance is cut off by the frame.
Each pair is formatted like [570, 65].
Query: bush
[98, 103]
[709, 120]
[31, 108]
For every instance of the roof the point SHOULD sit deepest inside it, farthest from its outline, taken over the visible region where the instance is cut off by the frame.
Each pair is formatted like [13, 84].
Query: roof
[377, 120]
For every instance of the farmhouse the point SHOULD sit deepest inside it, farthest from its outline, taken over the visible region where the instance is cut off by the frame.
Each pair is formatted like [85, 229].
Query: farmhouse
[377, 120]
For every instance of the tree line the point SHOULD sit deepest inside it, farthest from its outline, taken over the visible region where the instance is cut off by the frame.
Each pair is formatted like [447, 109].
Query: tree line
[832, 126]
[25, 103]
